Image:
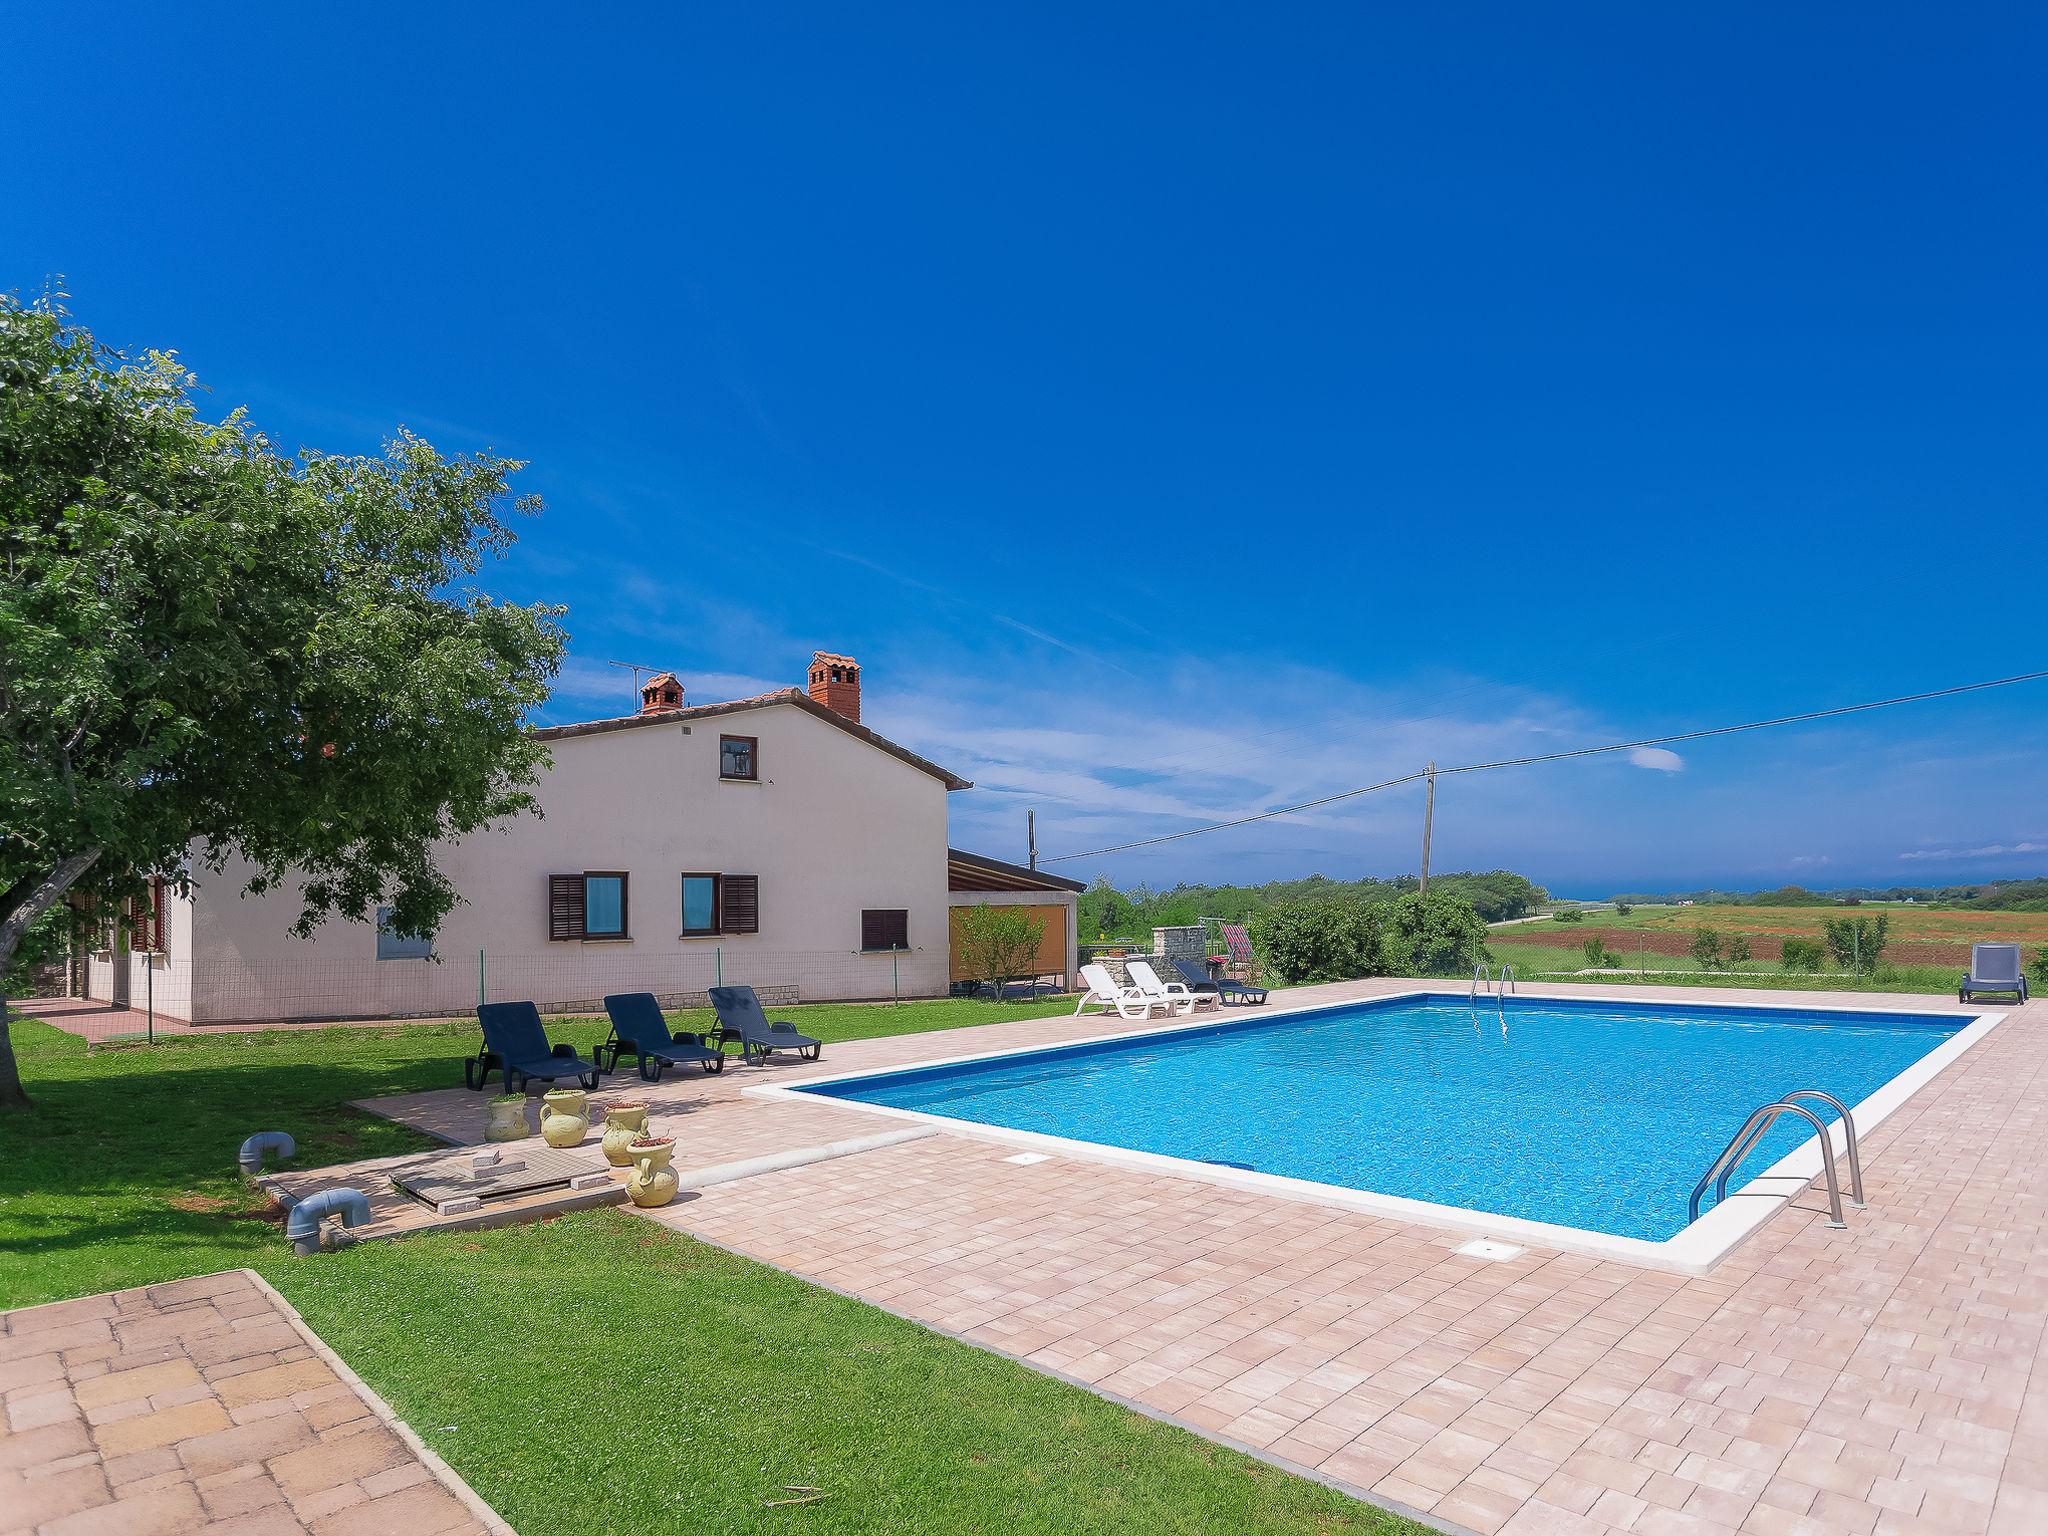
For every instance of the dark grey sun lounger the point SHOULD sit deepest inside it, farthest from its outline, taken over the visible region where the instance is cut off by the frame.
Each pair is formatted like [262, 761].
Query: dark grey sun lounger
[1227, 991]
[740, 1018]
[1994, 968]
[515, 1041]
[639, 1030]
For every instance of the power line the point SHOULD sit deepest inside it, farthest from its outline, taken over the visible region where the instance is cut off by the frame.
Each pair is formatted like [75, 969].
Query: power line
[1552, 757]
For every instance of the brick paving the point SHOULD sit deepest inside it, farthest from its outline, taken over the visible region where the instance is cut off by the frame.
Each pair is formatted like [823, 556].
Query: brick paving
[204, 1406]
[1879, 1380]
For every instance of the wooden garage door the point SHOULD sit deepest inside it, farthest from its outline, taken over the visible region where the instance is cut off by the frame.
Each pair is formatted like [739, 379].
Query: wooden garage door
[1052, 944]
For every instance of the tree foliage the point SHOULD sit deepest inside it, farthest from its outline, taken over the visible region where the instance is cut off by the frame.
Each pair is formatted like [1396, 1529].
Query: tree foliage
[1438, 934]
[1804, 954]
[1338, 938]
[209, 649]
[996, 944]
[1706, 947]
[1105, 912]
[1856, 942]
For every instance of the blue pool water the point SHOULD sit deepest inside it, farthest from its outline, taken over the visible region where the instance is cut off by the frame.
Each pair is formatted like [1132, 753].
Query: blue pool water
[1595, 1115]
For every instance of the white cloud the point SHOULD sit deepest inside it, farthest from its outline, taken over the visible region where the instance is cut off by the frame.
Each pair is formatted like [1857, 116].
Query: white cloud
[1812, 858]
[1989, 850]
[1659, 758]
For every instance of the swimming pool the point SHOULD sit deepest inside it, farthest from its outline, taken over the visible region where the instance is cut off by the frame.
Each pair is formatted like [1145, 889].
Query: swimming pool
[1592, 1115]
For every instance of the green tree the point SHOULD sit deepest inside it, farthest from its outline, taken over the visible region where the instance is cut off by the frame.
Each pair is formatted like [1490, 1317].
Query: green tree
[996, 944]
[1568, 915]
[210, 649]
[1339, 939]
[1856, 942]
[1738, 948]
[1622, 909]
[1706, 947]
[1594, 949]
[1434, 935]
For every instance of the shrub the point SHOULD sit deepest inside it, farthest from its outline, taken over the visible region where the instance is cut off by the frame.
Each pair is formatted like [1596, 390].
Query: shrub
[996, 943]
[2040, 968]
[1706, 947]
[1805, 954]
[1622, 909]
[1856, 942]
[1569, 915]
[1595, 949]
[1338, 939]
[1738, 949]
[1434, 935]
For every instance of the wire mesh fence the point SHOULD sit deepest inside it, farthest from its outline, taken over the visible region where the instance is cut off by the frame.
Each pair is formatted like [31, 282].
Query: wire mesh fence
[117, 996]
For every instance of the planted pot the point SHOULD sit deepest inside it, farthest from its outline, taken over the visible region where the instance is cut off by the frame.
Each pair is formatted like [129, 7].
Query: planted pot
[652, 1182]
[564, 1116]
[507, 1118]
[624, 1124]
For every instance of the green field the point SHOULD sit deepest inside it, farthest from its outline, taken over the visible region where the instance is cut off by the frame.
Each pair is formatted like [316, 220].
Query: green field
[596, 1372]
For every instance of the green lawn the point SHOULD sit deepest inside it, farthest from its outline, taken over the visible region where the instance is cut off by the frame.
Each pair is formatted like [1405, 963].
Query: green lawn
[681, 1387]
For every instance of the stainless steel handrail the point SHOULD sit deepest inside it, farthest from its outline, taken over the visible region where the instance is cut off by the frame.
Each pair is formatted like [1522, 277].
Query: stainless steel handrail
[1849, 1134]
[1507, 977]
[1481, 971]
[1738, 1147]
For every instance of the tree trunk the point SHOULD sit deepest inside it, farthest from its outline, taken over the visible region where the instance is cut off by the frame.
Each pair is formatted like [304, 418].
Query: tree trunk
[13, 928]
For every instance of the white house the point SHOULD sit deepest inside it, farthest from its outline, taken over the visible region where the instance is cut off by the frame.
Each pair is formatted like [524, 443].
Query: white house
[773, 840]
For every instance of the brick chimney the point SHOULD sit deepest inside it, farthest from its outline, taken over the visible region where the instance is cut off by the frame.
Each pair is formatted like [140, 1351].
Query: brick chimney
[660, 692]
[835, 683]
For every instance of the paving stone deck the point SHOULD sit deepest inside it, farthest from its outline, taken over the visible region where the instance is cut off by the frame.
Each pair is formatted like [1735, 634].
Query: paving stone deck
[205, 1406]
[1879, 1380]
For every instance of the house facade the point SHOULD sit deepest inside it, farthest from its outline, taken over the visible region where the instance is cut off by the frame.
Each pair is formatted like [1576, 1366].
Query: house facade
[775, 841]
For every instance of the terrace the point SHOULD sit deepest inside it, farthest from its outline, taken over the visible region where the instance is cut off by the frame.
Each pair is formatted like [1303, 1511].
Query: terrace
[1878, 1378]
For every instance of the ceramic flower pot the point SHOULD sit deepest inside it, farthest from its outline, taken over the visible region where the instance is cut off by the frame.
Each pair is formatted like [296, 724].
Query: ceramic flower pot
[564, 1116]
[508, 1119]
[624, 1124]
[652, 1181]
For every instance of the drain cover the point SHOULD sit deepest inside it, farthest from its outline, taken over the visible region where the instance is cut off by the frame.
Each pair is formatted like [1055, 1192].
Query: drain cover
[1030, 1157]
[1491, 1248]
[453, 1182]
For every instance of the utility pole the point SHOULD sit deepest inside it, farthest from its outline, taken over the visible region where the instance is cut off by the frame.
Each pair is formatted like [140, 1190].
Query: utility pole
[1031, 835]
[1428, 817]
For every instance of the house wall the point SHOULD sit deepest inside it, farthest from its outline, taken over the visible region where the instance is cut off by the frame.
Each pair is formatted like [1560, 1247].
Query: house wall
[833, 825]
[136, 978]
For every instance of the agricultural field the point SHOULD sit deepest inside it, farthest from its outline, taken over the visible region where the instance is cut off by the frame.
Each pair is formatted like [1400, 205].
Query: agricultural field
[1920, 935]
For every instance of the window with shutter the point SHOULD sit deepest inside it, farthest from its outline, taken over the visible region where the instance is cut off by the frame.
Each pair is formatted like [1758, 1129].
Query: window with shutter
[591, 905]
[885, 928]
[156, 914]
[739, 903]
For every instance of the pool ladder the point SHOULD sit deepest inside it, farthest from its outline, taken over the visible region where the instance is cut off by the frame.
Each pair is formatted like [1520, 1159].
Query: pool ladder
[1723, 1167]
[1482, 976]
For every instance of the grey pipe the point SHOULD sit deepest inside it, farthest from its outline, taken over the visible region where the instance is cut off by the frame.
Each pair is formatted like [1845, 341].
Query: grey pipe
[302, 1227]
[251, 1155]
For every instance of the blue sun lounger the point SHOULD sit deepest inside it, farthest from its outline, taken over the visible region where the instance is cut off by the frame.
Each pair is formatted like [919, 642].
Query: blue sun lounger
[1993, 968]
[740, 1018]
[1227, 991]
[515, 1042]
[639, 1030]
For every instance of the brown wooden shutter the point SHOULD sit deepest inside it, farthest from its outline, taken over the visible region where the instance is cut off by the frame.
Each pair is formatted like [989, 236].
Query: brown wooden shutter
[885, 928]
[739, 901]
[156, 914]
[565, 906]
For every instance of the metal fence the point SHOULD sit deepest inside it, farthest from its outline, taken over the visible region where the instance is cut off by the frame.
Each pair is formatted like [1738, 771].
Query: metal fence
[120, 996]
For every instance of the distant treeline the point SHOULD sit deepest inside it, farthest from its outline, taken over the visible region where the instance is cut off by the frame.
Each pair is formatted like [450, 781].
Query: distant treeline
[1106, 912]
[1990, 896]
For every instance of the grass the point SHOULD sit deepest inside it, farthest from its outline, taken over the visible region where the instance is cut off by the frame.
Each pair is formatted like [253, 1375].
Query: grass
[125, 1173]
[711, 1387]
[693, 1395]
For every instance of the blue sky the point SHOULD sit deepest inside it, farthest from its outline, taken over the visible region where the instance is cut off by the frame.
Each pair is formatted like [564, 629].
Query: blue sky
[1183, 410]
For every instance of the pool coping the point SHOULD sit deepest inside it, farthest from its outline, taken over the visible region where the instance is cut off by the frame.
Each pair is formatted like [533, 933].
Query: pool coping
[1693, 1250]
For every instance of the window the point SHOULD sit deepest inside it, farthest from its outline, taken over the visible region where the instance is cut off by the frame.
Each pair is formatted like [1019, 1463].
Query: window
[739, 757]
[885, 928]
[393, 945]
[716, 904]
[700, 905]
[591, 905]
